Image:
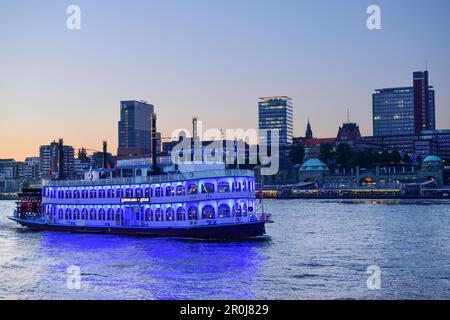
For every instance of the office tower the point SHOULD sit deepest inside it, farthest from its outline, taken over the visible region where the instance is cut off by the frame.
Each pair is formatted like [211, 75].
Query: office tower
[57, 161]
[276, 113]
[135, 128]
[404, 110]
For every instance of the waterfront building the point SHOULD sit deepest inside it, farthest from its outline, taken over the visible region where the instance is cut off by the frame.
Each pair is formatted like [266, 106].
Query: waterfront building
[32, 168]
[349, 133]
[57, 160]
[276, 113]
[136, 128]
[7, 169]
[315, 171]
[417, 146]
[404, 110]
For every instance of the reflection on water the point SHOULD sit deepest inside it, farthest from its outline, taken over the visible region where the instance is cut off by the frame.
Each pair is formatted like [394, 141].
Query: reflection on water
[316, 249]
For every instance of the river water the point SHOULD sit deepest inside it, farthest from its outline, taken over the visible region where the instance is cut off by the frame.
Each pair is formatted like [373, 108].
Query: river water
[316, 249]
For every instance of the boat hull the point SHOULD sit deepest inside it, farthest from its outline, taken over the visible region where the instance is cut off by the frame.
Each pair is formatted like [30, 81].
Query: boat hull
[229, 231]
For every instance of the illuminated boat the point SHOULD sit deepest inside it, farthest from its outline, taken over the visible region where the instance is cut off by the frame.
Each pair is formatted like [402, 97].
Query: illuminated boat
[208, 204]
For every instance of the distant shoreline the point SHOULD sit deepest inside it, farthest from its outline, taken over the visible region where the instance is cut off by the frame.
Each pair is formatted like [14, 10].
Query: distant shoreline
[9, 197]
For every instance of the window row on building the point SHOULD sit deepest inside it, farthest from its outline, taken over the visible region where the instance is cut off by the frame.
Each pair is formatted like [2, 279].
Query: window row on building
[190, 188]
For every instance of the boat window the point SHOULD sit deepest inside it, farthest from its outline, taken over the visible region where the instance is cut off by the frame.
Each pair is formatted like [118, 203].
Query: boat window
[92, 215]
[118, 217]
[110, 214]
[170, 214]
[224, 211]
[159, 215]
[192, 188]
[180, 214]
[76, 214]
[129, 193]
[238, 211]
[148, 214]
[180, 191]
[208, 188]
[68, 214]
[193, 213]
[84, 214]
[223, 187]
[101, 214]
[244, 210]
[208, 212]
[170, 191]
[158, 192]
[110, 193]
[138, 193]
[93, 194]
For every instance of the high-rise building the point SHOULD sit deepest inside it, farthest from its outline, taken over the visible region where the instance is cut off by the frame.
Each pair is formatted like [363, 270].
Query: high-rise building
[404, 110]
[57, 161]
[424, 113]
[135, 128]
[7, 169]
[276, 113]
[32, 168]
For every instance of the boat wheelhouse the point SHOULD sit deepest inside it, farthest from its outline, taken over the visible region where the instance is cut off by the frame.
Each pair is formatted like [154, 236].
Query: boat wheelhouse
[205, 204]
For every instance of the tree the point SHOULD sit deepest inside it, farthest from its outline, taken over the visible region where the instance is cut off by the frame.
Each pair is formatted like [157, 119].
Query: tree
[297, 154]
[326, 153]
[406, 158]
[395, 157]
[359, 159]
[384, 157]
[343, 154]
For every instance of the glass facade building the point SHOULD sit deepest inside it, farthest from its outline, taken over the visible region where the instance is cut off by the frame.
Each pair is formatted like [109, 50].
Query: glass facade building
[276, 113]
[405, 110]
[135, 128]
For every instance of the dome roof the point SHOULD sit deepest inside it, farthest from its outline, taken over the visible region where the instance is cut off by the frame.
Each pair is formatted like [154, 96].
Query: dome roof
[314, 165]
[432, 159]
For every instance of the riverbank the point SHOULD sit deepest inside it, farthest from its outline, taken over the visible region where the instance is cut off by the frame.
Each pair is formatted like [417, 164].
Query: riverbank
[350, 194]
[9, 196]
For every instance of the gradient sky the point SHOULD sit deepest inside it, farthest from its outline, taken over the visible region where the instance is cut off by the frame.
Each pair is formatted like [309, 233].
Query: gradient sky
[210, 58]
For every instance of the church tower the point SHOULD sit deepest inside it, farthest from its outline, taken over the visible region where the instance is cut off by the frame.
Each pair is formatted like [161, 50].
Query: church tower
[308, 133]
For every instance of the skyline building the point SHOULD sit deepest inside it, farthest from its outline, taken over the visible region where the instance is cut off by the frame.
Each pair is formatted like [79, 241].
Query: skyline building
[57, 160]
[276, 113]
[137, 119]
[404, 110]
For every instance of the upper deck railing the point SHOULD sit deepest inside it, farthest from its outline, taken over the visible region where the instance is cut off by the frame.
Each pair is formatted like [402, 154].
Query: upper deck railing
[152, 179]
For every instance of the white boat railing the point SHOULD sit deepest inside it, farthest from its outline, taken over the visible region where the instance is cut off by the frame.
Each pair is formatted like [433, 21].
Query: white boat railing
[153, 179]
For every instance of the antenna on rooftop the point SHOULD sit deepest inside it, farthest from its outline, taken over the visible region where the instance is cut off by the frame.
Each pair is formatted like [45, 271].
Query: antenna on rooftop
[348, 115]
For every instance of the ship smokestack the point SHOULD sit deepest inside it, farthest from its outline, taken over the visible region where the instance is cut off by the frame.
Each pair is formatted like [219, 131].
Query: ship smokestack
[104, 155]
[61, 159]
[153, 141]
